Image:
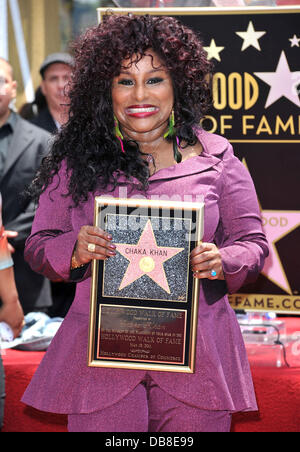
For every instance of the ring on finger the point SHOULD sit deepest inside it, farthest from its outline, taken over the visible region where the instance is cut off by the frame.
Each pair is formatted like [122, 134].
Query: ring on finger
[91, 247]
[213, 273]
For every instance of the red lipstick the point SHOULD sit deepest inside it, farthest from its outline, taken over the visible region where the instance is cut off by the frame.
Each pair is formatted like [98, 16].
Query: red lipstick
[141, 111]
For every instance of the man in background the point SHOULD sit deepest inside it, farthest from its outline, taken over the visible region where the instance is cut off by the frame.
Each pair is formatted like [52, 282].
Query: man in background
[22, 148]
[56, 73]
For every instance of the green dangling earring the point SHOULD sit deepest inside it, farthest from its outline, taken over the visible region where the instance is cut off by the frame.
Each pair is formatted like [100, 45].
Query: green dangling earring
[171, 132]
[118, 133]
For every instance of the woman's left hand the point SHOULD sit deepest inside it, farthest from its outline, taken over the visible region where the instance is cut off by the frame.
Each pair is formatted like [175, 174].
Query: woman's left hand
[206, 262]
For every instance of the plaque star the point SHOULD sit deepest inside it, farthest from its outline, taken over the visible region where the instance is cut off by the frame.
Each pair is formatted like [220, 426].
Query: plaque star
[283, 82]
[146, 258]
[213, 51]
[250, 37]
[294, 41]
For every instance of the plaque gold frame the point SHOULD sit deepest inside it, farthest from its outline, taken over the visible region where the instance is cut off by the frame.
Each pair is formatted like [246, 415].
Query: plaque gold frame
[189, 352]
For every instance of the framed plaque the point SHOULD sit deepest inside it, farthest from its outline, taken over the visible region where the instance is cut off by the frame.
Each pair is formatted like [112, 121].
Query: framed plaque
[144, 300]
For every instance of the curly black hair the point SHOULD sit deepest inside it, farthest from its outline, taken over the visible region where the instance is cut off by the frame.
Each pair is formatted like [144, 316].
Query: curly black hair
[88, 140]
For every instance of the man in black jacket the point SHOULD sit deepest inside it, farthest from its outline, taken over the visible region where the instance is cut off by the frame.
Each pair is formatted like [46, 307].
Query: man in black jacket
[56, 73]
[22, 148]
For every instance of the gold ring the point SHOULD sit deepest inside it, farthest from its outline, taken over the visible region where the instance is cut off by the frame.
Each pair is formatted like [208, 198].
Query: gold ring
[91, 247]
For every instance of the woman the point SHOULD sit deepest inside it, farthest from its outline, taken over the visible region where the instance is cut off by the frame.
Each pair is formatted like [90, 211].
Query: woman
[140, 88]
[10, 311]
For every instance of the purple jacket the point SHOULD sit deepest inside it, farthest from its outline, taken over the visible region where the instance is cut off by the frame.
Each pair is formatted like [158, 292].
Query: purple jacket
[64, 383]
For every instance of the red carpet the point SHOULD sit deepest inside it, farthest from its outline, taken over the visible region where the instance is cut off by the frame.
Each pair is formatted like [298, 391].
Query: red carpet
[278, 395]
[277, 390]
[19, 368]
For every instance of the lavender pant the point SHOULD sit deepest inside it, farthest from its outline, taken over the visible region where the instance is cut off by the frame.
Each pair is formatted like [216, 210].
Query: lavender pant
[150, 409]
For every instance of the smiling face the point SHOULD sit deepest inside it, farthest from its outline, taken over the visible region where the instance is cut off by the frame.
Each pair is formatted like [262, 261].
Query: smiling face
[143, 97]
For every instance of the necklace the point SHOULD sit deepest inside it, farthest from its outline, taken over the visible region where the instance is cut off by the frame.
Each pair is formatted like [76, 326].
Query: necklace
[150, 159]
[177, 154]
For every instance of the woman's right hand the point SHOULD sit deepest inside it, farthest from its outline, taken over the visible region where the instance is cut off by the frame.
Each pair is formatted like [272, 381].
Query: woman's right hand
[89, 236]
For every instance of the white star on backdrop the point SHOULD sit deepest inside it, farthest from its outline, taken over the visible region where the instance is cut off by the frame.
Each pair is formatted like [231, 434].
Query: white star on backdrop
[213, 51]
[295, 41]
[283, 82]
[250, 37]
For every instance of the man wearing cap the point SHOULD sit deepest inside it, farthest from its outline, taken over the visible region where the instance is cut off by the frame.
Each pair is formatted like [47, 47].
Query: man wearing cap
[56, 73]
[22, 148]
